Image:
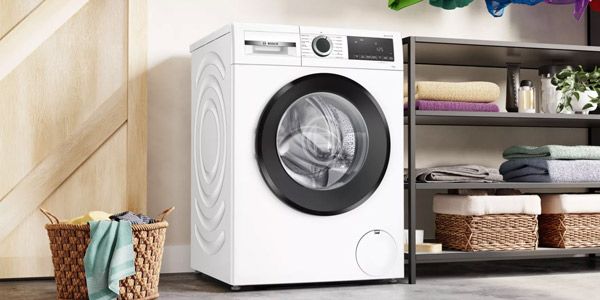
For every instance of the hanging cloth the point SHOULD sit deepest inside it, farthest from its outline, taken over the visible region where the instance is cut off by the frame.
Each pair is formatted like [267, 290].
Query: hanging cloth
[496, 7]
[578, 9]
[400, 4]
[450, 4]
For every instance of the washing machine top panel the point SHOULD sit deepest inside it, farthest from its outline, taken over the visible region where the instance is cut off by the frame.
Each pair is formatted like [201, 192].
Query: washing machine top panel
[286, 45]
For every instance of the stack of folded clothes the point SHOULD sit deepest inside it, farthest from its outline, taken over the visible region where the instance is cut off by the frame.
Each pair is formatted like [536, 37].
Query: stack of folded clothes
[459, 173]
[551, 163]
[455, 96]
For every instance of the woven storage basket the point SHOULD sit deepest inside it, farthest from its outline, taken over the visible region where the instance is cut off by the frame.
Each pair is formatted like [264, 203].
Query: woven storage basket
[487, 232]
[570, 230]
[68, 244]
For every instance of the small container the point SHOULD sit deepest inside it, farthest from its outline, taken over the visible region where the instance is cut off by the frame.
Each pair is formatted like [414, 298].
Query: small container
[549, 97]
[526, 97]
[513, 72]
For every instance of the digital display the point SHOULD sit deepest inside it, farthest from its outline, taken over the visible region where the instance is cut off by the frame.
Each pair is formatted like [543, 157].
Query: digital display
[368, 48]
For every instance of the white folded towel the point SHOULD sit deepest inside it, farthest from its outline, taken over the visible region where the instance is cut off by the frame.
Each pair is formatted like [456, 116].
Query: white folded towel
[570, 203]
[465, 205]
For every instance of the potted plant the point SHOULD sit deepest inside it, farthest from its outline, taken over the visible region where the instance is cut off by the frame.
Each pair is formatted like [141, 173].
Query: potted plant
[579, 85]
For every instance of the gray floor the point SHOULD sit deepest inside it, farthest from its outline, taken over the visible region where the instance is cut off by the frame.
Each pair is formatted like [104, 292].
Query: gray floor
[537, 279]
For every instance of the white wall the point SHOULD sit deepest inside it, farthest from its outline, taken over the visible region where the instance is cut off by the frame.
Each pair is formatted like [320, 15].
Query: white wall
[174, 24]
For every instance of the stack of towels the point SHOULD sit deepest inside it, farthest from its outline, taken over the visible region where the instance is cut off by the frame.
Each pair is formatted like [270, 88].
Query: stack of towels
[455, 96]
[551, 163]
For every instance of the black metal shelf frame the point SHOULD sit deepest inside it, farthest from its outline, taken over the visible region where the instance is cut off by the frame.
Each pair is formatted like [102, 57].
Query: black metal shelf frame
[487, 54]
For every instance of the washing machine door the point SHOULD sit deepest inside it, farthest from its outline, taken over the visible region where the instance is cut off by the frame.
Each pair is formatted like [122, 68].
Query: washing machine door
[323, 144]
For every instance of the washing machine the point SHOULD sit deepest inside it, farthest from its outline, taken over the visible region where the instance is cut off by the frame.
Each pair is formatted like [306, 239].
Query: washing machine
[297, 155]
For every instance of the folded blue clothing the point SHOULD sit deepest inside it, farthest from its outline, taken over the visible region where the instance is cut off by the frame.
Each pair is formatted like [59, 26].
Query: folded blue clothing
[542, 170]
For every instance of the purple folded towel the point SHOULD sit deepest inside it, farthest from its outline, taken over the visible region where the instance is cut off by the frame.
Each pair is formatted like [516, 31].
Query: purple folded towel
[454, 106]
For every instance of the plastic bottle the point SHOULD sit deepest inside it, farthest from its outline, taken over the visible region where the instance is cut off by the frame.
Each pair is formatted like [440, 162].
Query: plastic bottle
[526, 97]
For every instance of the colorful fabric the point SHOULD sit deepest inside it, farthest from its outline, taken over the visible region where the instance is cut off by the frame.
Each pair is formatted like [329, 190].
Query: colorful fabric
[496, 7]
[578, 9]
[400, 4]
[595, 5]
[450, 4]
[108, 259]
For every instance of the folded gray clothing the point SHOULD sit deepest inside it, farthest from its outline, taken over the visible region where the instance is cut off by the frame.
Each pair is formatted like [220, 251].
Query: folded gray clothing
[132, 218]
[459, 173]
[542, 170]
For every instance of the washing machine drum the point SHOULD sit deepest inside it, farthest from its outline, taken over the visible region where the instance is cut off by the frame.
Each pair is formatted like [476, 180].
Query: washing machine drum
[323, 144]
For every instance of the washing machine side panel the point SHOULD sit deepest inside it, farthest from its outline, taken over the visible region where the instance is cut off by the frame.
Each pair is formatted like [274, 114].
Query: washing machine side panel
[211, 161]
[275, 243]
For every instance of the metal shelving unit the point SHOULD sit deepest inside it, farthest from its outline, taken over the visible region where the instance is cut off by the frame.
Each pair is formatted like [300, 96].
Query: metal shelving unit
[488, 54]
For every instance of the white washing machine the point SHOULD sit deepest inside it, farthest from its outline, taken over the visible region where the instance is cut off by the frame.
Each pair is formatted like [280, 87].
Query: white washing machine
[297, 155]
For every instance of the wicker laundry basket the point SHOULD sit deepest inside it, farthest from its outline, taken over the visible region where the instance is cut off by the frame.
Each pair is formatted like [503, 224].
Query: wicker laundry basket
[68, 244]
[570, 230]
[487, 232]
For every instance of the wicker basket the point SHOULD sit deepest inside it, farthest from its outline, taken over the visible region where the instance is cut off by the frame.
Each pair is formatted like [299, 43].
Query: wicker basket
[487, 232]
[570, 230]
[68, 244]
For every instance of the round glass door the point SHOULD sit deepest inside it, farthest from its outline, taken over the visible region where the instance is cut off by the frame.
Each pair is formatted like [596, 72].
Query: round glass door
[322, 144]
[322, 141]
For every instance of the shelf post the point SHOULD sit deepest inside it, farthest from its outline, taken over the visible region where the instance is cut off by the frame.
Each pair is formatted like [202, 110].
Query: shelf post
[412, 210]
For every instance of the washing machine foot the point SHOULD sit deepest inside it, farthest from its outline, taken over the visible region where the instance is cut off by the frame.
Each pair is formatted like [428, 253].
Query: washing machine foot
[393, 281]
[235, 288]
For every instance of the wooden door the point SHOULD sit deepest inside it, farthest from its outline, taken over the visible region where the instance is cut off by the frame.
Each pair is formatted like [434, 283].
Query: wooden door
[72, 118]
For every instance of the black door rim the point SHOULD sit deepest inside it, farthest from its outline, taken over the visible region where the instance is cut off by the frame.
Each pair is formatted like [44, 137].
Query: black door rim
[340, 199]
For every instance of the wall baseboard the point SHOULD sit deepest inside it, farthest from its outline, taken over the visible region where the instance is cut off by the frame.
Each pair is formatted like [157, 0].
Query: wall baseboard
[176, 259]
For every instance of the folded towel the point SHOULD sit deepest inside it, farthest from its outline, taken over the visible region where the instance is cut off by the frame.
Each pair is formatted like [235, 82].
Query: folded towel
[553, 152]
[459, 173]
[570, 203]
[454, 106]
[486, 205]
[109, 258]
[543, 170]
[473, 91]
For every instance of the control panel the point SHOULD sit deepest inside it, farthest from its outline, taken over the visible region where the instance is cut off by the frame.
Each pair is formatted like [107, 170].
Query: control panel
[369, 48]
[347, 47]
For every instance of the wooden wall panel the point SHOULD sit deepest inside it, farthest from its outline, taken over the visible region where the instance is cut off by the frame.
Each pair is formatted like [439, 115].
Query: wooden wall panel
[137, 107]
[59, 86]
[75, 86]
[13, 11]
[99, 184]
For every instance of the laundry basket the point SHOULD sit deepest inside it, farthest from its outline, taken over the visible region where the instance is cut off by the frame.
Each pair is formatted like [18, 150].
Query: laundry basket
[69, 242]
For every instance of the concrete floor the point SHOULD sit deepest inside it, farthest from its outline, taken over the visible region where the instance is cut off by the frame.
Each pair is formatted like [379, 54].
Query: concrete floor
[536, 279]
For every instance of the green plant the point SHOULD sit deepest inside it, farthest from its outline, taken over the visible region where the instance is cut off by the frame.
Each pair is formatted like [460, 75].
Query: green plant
[574, 82]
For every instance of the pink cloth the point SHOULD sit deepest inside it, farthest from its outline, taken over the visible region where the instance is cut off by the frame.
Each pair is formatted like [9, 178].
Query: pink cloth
[454, 106]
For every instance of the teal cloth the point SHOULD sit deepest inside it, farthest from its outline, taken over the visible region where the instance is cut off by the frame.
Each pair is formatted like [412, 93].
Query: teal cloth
[450, 4]
[553, 152]
[109, 258]
[400, 4]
